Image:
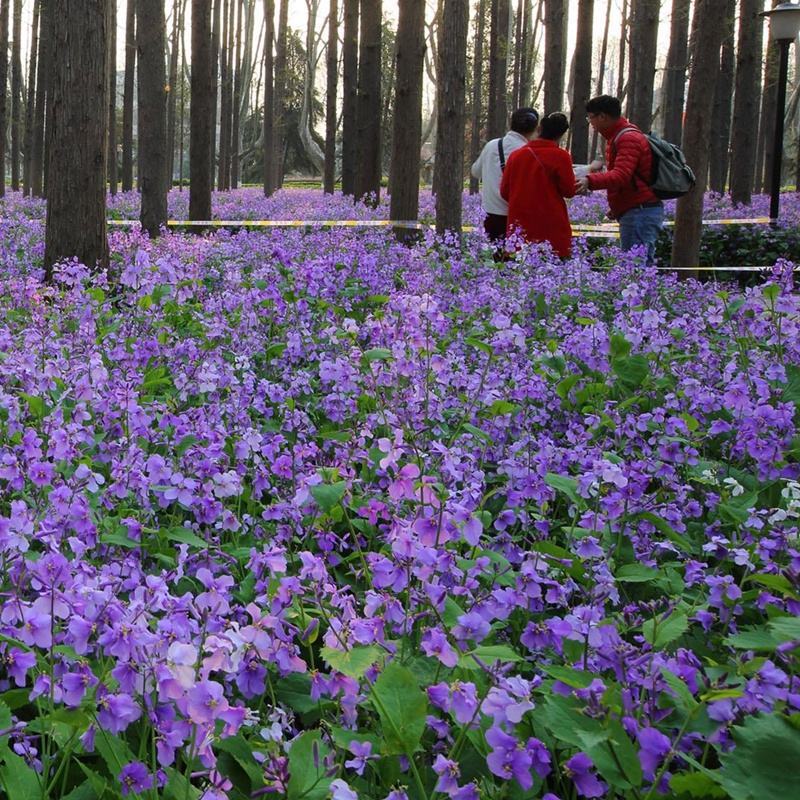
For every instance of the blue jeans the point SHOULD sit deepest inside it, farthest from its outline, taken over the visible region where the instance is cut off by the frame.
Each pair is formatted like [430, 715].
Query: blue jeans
[640, 227]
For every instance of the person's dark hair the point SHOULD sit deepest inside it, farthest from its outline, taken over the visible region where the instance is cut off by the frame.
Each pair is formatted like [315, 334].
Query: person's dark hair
[605, 104]
[554, 125]
[524, 120]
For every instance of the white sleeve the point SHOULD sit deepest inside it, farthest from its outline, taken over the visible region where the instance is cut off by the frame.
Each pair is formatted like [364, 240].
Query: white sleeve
[477, 167]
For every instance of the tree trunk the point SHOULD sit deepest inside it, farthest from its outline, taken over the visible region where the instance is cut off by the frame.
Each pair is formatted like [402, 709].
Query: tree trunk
[350, 97]
[216, 80]
[43, 70]
[312, 149]
[451, 91]
[172, 97]
[153, 159]
[16, 94]
[642, 68]
[238, 75]
[477, 87]
[746, 96]
[281, 77]
[111, 155]
[332, 80]
[675, 70]
[555, 53]
[519, 51]
[181, 120]
[3, 84]
[706, 39]
[769, 98]
[127, 97]
[582, 83]
[497, 116]
[721, 110]
[30, 101]
[623, 42]
[224, 106]
[268, 133]
[201, 119]
[524, 46]
[407, 122]
[76, 196]
[602, 73]
[368, 173]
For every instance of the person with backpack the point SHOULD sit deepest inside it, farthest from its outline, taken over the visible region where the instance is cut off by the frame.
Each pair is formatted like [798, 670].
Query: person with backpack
[628, 176]
[535, 182]
[489, 170]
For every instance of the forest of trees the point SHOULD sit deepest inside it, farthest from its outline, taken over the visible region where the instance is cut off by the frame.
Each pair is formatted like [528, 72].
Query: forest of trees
[217, 93]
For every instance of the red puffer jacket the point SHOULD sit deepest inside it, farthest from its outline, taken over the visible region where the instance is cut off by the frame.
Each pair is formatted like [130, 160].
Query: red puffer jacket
[629, 167]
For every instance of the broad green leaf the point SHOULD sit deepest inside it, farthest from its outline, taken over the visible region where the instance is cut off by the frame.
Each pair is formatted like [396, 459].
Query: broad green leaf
[84, 791]
[5, 716]
[36, 405]
[576, 678]
[328, 495]
[275, 350]
[564, 484]
[500, 407]
[662, 526]
[752, 639]
[185, 536]
[354, 662]
[402, 707]
[377, 354]
[636, 573]
[684, 696]
[242, 752]
[488, 655]
[342, 738]
[785, 629]
[660, 633]
[307, 768]
[468, 426]
[115, 752]
[631, 371]
[763, 763]
[697, 785]
[18, 779]
[472, 341]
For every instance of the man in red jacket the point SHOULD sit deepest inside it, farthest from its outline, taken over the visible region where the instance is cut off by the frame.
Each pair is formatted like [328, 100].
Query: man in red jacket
[627, 177]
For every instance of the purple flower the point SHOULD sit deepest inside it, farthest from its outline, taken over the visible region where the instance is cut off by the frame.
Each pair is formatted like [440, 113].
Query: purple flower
[654, 746]
[135, 778]
[448, 772]
[341, 791]
[434, 644]
[18, 662]
[471, 626]
[465, 701]
[41, 473]
[579, 768]
[363, 753]
[116, 711]
[509, 758]
[205, 702]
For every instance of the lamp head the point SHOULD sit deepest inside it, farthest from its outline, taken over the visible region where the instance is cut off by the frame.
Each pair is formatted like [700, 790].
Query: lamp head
[784, 21]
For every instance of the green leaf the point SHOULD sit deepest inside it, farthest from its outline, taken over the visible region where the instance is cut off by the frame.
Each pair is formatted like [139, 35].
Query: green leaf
[636, 573]
[752, 639]
[275, 350]
[684, 695]
[342, 738]
[564, 484]
[18, 779]
[376, 354]
[472, 341]
[468, 426]
[36, 405]
[242, 753]
[500, 407]
[114, 751]
[576, 678]
[564, 387]
[791, 391]
[402, 707]
[328, 495]
[185, 536]
[185, 443]
[620, 346]
[763, 763]
[660, 633]
[353, 663]
[785, 629]
[120, 539]
[5, 716]
[662, 526]
[488, 655]
[696, 784]
[83, 791]
[307, 768]
[631, 371]
[178, 788]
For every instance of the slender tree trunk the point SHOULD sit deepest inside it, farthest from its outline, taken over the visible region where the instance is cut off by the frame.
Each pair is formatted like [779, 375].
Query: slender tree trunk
[216, 34]
[723, 100]
[745, 105]
[368, 173]
[153, 158]
[477, 87]
[3, 84]
[524, 47]
[332, 80]
[111, 155]
[675, 71]
[498, 69]
[407, 120]
[281, 79]
[519, 51]
[451, 91]
[602, 73]
[237, 100]
[268, 133]
[30, 101]
[312, 149]
[582, 83]
[181, 127]
[224, 105]
[76, 196]
[350, 97]
[769, 98]
[127, 97]
[43, 70]
[16, 94]
[555, 56]
[201, 119]
[172, 97]
[622, 88]
[642, 70]
[706, 39]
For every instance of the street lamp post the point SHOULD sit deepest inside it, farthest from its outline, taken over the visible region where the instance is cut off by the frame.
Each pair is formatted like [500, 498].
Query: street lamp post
[784, 25]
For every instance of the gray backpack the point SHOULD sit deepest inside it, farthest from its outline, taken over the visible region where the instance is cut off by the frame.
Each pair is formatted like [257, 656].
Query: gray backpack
[672, 177]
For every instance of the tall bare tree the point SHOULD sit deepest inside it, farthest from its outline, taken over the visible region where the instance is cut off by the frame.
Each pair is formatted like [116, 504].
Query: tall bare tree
[407, 127]
[76, 191]
[526, 47]
[312, 149]
[675, 72]
[152, 84]
[766, 131]
[172, 82]
[625, 18]
[451, 94]
[224, 97]
[3, 84]
[368, 172]
[332, 81]
[201, 119]
[477, 86]
[745, 104]
[16, 93]
[350, 96]
[281, 80]
[723, 101]
[497, 114]
[706, 39]
[642, 65]
[601, 75]
[43, 71]
[30, 100]
[268, 133]
[582, 83]
[127, 97]
[555, 55]
[111, 156]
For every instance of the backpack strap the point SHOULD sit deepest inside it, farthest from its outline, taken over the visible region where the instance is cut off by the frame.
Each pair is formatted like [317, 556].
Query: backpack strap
[502, 154]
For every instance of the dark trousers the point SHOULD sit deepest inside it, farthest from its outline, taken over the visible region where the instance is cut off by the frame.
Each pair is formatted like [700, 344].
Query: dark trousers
[495, 227]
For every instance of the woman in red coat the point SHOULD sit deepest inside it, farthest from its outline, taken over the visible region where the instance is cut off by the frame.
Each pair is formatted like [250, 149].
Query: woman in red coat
[535, 182]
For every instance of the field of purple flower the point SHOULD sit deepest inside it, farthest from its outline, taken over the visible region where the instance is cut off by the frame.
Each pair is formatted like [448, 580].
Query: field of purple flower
[316, 515]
